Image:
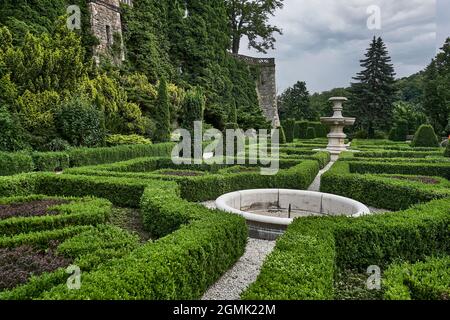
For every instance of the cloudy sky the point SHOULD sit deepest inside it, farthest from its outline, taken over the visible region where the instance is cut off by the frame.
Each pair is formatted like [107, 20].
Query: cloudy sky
[323, 40]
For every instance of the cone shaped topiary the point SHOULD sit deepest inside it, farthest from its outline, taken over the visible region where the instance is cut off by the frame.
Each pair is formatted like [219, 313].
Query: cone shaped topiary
[425, 137]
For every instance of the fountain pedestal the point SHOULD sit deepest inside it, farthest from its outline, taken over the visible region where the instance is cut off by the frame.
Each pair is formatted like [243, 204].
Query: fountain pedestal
[337, 123]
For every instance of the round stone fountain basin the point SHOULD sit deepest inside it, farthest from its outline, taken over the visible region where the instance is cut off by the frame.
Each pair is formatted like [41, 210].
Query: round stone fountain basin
[268, 212]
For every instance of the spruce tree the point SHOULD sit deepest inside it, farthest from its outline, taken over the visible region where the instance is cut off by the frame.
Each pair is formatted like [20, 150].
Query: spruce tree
[373, 94]
[162, 116]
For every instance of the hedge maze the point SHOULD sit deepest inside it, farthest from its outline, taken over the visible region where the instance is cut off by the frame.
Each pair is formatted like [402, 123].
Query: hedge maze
[191, 246]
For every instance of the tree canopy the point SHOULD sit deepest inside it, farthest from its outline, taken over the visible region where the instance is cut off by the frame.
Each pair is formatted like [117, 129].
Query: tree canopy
[250, 18]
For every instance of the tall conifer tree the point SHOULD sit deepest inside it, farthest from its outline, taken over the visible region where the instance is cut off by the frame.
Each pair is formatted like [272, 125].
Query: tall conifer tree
[373, 94]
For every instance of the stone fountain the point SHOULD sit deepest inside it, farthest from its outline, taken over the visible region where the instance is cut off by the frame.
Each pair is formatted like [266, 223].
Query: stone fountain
[337, 123]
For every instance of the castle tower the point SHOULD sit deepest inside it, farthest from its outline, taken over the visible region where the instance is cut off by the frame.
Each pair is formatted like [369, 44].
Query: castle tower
[266, 86]
[106, 22]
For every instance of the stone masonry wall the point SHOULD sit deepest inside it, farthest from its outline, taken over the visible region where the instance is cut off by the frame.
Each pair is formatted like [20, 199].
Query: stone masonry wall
[105, 22]
[266, 86]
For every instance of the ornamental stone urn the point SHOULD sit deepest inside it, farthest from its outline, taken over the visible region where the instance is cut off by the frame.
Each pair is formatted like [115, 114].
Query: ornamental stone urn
[337, 123]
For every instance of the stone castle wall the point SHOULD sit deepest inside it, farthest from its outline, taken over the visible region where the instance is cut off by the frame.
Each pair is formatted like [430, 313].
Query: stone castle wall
[266, 86]
[105, 23]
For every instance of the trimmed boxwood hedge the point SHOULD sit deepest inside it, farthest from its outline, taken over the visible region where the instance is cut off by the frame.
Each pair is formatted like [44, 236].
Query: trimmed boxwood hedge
[423, 168]
[87, 211]
[425, 280]
[181, 265]
[14, 163]
[306, 257]
[20, 162]
[88, 247]
[379, 191]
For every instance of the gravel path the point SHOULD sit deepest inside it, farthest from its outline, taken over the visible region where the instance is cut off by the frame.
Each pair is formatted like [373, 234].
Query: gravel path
[315, 186]
[243, 273]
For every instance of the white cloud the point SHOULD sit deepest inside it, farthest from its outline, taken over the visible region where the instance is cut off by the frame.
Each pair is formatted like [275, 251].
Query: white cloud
[324, 40]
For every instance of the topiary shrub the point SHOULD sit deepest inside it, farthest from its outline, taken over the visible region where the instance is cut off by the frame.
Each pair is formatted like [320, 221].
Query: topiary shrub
[162, 116]
[311, 133]
[425, 137]
[289, 127]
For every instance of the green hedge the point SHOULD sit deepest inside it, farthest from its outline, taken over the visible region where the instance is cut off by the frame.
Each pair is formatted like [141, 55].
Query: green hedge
[181, 265]
[50, 161]
[14, 163]
[120, 191]
[425, 137]
[89, 248]
[18, 185]
[306, 257]
[41, 238]
[86, 211]
[302, 128]
[379, 191]
[426, 280]
[423, 168]
[212, 186]
[301, 266]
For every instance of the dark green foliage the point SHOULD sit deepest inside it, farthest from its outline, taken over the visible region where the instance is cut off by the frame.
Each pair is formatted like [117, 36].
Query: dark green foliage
[301, 129]
[424, 280]
[162, 116]
[447, 151]
[399, 131]
[50, 161]
[425, 137]
[80, 123]
[88, 247]
[373, 93]
[437, 93]
[282, 136]
[294, 103]
[289, 125]
[193, 109]
[12, 136]
[311, 133]
[251, 19]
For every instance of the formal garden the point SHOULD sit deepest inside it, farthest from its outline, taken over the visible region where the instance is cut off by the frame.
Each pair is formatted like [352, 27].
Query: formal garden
[97, 201]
